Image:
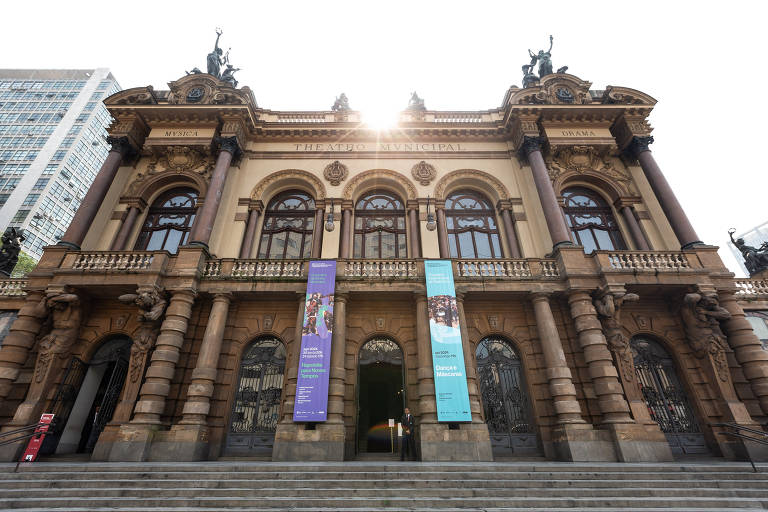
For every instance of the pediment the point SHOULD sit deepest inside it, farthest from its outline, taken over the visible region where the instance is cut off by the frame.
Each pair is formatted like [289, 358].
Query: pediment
[554, 89]
[135, 96]
[626, 96]
[205, 89]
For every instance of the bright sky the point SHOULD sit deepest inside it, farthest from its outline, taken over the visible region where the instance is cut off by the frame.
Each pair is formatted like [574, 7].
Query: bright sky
[701, 60]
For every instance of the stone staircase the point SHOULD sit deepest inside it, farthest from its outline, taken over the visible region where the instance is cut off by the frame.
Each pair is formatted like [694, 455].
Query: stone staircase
[383, 486]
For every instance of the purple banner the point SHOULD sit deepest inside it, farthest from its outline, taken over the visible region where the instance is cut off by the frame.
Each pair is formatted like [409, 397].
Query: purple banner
[316, 333]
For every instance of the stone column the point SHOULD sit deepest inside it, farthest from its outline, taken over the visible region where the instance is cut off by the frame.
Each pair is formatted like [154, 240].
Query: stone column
[20, 339]
[346, 230]
[317, 233]
[442, 230]
[509, 230]
[126, 228]
[558, 230]
[246, 248]
[78, 228]
[188, 439]
[338, 360]
[747, 349]
[425, 374]
[572, 438]
[631, 440]
[135, 438]
[686, 235]
[634, 228]
[474, 393]
[206, 217]
[415, 232]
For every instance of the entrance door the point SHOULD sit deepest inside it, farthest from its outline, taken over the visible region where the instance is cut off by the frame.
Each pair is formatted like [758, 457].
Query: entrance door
[88, 396]
[505, 401]
[256, 407]
[666, 398]
[380, 395]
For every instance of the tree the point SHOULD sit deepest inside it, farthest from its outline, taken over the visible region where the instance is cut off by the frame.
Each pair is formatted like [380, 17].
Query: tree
[24, 266]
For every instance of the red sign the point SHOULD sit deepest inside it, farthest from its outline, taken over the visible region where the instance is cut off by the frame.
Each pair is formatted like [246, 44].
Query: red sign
[30, 454]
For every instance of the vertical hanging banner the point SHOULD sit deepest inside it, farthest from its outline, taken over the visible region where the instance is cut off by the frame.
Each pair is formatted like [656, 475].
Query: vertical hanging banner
[316, 333]
[445, 333]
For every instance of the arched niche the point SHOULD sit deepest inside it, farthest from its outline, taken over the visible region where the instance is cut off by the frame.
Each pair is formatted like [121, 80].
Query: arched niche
[380, 179]
[481, 181]
[288, 179]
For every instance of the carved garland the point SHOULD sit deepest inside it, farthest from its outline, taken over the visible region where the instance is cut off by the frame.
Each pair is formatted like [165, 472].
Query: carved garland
[286, 174]
[375, 174]
[481, 176]
[586, 160]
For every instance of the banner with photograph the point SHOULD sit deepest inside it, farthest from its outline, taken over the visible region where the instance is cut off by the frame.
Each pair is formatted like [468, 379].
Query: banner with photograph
[315, 356]
[447, 355]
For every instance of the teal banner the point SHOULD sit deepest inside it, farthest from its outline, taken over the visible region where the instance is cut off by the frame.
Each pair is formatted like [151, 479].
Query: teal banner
[445, 333]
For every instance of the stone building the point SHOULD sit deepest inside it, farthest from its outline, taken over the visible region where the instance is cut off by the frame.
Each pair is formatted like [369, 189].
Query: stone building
[595, 325]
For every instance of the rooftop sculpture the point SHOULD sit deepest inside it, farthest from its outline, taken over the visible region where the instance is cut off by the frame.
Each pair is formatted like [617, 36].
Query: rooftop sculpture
[341, 104]
[415, 103]
[9, 252]
[214, 62]
[544, 59]
[755, 258]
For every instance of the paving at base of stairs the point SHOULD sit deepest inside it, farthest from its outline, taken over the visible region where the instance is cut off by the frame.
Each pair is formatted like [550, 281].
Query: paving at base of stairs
[367, 486]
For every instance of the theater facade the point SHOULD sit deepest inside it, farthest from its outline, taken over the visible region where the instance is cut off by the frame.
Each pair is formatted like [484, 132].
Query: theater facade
[593, 323]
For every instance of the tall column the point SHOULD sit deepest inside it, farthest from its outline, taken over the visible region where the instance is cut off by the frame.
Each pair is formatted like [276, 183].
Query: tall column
[78, 228]
[425, 374]
[509, 231]
[415, 232]
[317, 233]
[602, 372]
[474, 393]
[559, 375]
[634, 228]
[246, 248]
[346, 230]
[442, 230]
[558, 230]
[686, 235]
[126, 228]
[20, 339]
[747, 348]
[200, 389]
[203, 227]
[338, 359]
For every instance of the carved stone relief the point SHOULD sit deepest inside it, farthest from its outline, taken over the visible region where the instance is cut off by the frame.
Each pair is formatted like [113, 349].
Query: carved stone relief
[335, 172]
[424, 173]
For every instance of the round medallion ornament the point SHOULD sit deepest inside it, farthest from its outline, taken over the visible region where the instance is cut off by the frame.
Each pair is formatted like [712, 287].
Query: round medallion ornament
[335, 172]
[195, 94]
[424, 173]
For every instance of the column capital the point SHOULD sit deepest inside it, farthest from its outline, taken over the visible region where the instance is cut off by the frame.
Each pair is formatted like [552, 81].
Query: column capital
[504, 204]
[412, 204]
[122, 145]
[540, 296]
[639, 144]
[229, 144]
[222, 296]
[341, 297]
[183, 294]
[419, 296]
[530, 144]
[347, 204]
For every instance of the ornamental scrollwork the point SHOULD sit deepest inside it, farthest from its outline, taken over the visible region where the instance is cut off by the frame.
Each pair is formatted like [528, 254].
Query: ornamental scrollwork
[576, 160]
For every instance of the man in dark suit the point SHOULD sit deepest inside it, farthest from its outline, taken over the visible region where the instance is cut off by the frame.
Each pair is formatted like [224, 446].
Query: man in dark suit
[406, 443]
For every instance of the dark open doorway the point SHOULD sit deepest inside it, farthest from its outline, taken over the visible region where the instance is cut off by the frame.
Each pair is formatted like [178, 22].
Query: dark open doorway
[380, 395]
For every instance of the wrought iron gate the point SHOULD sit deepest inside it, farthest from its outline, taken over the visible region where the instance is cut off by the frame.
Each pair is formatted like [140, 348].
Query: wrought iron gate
[666, 398]
[109, 402]
[256, 408]
[505, 401]
[62, 403]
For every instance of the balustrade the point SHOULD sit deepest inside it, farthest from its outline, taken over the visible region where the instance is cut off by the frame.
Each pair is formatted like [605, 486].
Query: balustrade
[658, 261]
[458, 117]
[12, 287]
[493, 268]
[382, 268]
[113, 261]
[752, 288]
[253, 269]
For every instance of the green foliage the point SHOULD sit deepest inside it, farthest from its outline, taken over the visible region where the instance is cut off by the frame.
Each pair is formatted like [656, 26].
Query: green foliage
[24, 266]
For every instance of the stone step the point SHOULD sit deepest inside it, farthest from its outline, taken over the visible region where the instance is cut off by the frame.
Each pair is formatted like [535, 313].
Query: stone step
[85, 503]
[240, 483]
[395, 492]
[384, 509]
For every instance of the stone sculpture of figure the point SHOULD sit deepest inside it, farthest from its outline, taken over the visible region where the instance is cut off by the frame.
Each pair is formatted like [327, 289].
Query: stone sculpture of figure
[65, 314]
[195, 71]
[609, 309]
[151, 308]
[151, 304]
[215, 61]
[755, 259]
[701, 317]
[9, 253]
[341, 104]
[544, 58]
[528, 77]
[229, 75]
[415, 102]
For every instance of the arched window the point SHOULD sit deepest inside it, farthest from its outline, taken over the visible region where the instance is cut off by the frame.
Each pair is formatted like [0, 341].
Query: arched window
[168, 221]
[471, 223]
[288, 225]
[380, 226]
[591, 221]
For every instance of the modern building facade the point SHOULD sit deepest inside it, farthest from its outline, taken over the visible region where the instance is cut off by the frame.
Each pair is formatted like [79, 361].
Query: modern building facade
[595, 325]
[52, 143]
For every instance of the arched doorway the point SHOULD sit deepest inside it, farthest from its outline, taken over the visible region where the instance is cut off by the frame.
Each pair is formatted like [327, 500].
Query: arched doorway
[506, 406]
[380, 394]
[256, 407]
[665, 397]
[87, 398]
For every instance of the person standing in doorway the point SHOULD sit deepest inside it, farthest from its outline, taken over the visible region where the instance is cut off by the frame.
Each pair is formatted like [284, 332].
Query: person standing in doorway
[406, 443]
